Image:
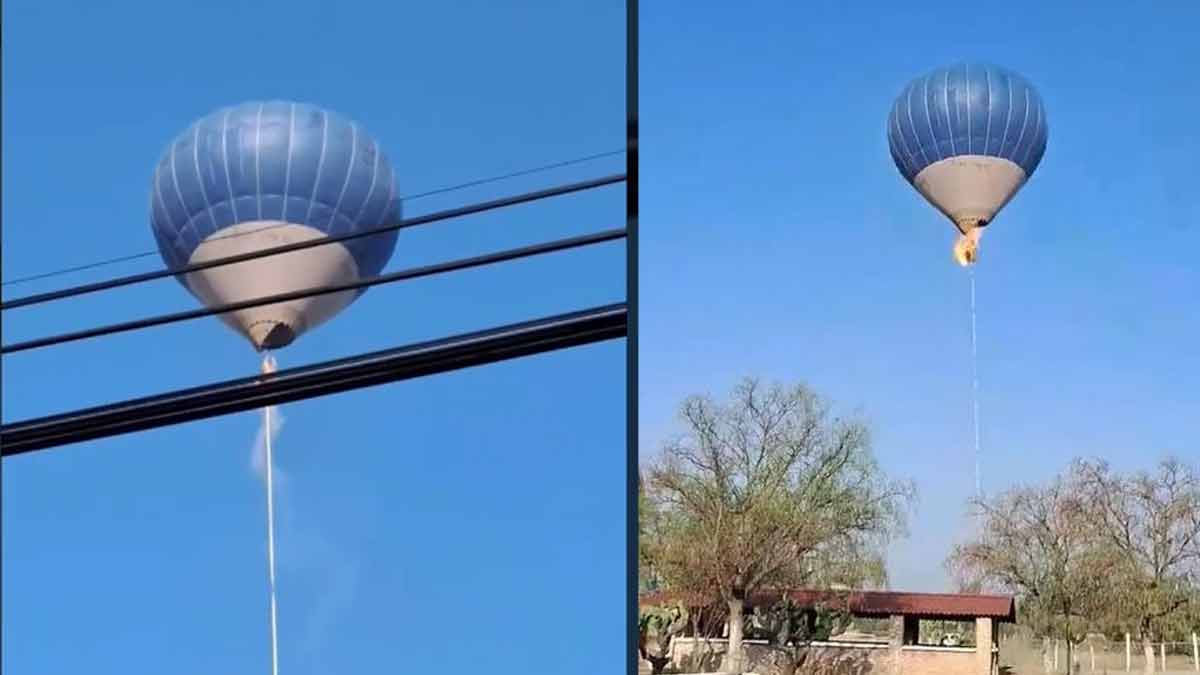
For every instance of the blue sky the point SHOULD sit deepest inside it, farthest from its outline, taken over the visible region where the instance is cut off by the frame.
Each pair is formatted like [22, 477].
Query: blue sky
[470, 518]
[779, 240]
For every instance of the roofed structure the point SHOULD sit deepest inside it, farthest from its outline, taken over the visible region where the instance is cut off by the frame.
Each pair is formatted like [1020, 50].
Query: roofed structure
[876, 604]
[901, 652]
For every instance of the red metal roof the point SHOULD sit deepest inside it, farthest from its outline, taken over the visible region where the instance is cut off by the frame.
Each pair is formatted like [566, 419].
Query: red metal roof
[883, 603]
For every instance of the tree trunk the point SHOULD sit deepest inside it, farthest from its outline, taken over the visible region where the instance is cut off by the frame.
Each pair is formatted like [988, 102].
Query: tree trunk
[734, 655]
[1070, 646]
[1148, 650]
[706, 655]
[656, 651]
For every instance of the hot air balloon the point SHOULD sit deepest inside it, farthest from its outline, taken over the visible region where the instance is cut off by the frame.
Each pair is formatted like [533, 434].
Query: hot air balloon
[967, 137]
[262, 175]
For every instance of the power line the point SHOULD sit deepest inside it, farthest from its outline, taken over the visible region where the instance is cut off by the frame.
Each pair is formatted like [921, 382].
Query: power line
[419, 195]
[300, 245]
[411, 273]
[321, 379]
[515, 174]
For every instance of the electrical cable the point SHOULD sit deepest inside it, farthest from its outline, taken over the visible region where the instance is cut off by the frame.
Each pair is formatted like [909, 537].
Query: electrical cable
[411, 273]
[480, 207]
[406, 198]
[515, 174]
[321, 379]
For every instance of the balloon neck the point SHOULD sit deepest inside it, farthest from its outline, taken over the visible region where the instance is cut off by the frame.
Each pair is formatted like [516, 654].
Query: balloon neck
[966, 225]
[270, 334]
[966, 249]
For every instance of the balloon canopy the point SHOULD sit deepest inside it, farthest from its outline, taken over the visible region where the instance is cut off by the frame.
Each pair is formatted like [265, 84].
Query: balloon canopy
[967, 137]
[262, 175]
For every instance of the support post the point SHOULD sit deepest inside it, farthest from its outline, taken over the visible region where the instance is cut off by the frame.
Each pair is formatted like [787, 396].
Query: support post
[984, 640]
[896, 643]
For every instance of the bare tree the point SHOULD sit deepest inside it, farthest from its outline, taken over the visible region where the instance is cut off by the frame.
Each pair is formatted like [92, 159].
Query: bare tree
[1151, 522]
[757, 489]
[1039, 543]
[706, 623]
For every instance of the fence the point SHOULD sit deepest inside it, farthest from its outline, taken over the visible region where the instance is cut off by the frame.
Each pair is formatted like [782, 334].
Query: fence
[1097, 654]
[833, 657]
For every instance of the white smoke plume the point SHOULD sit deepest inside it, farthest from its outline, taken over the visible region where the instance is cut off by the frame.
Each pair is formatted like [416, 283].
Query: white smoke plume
[258, 454]
[313, 558]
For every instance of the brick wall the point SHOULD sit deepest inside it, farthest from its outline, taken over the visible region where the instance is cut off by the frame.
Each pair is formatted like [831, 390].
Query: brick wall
[937, 661]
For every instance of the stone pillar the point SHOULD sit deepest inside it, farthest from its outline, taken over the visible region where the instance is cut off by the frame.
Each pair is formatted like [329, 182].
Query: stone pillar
[895, 642]
[985, 640]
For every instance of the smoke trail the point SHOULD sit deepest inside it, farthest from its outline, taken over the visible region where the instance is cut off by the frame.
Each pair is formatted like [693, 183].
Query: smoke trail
[334, 575]
[263, 461]
[330, 573]
[975, 391]
[258, 454]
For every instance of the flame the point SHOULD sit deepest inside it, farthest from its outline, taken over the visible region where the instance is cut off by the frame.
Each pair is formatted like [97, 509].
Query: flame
[964, 252]
[966, 249]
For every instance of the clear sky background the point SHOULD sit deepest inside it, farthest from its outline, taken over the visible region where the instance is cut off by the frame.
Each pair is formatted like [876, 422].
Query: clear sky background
[779, 240]
[466, 520]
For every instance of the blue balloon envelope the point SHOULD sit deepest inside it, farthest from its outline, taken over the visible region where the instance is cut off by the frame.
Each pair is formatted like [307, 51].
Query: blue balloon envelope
[968, 137]
[261, 175]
